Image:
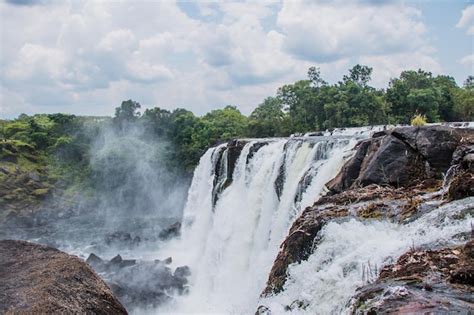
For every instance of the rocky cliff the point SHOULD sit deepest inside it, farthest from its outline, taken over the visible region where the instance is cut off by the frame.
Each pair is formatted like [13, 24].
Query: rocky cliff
[38, 279]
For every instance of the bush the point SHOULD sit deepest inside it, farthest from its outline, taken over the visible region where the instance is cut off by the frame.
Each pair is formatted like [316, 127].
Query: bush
[418, 120]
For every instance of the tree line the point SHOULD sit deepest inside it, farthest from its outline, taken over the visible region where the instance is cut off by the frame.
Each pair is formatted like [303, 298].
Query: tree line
[306, 105]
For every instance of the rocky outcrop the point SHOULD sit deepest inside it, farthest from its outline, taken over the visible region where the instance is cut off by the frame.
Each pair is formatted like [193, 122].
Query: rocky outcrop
[141, 284]
[37, 279]
[401, 157]
[421, 281]
[171, 231]
[396, 175]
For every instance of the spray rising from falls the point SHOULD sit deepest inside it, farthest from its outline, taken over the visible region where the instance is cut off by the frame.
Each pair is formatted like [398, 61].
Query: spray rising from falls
[242, 201]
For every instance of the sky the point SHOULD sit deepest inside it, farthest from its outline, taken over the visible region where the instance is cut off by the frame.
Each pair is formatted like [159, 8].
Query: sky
[86, 57]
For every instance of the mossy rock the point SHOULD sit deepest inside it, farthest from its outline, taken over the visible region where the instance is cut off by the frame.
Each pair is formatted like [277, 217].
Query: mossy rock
[41, 192]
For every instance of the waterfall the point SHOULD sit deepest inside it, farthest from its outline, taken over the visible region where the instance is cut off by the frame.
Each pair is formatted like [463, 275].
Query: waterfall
[335, 266]
[241, 203]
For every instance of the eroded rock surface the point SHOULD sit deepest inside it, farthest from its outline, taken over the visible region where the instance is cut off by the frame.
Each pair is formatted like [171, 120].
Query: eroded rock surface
[37, 279]
[422, 281]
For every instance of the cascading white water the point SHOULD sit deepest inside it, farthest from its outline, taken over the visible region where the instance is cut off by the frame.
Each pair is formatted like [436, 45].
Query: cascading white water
[230, 246]
[335, 266]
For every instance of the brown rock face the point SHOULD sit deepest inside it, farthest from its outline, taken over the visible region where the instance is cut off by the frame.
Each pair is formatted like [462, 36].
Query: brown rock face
[37, 279]
[435, 281]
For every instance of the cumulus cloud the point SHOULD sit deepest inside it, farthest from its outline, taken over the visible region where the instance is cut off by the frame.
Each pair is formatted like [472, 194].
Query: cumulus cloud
[467, 20]
[324, 30]
[85, 57]
[36, 61]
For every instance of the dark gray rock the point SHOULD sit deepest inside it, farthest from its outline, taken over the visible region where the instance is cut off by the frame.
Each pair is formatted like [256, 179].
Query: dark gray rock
[435, 143]
[171, 231]
[402, 157]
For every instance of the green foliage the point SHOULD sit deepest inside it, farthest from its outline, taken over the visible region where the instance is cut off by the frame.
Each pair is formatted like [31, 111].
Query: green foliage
[268, 120]
[127, 112]
[464, 104]
[418, 120]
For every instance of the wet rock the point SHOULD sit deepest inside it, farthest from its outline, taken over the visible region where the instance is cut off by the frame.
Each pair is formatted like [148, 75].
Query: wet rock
[171, 231]
[166, 261]
[391, 163]
[351, 170]
[263, 310]
[298, 304]
[182, 272]
[462, 185]
[141, 284]
[401, 158]
[95, 261]
[434, 281]
[37, 279]
[253, 149]
[116, 260]
[224, 168]
[147, 284]
[379, 134]
[121, 239]
[435, 143]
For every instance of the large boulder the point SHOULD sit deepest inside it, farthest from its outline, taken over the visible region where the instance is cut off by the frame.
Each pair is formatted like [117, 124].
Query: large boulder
[37, 279]
[400, 158]
[435, 143]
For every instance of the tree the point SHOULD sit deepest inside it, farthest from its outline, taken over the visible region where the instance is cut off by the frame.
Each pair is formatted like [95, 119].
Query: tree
[415, 92]
[157, 120]
[127, 112]
[469, 83]
[464, 103]
[268, 119]
[359, 74]
[301, 102]
[446, 87]
[314, 75]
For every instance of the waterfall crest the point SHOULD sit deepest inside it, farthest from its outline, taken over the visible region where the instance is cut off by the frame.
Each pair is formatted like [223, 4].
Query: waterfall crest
[241, 203]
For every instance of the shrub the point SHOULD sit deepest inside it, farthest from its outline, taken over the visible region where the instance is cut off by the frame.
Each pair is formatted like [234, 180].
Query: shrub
[418, 120]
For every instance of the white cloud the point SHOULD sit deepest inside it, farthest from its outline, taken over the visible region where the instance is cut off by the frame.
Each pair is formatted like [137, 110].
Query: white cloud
[147, 72]
[87, 56]
[468, 61]
[36, 61]
[117, 41]
[467, 20]
[323, 30]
